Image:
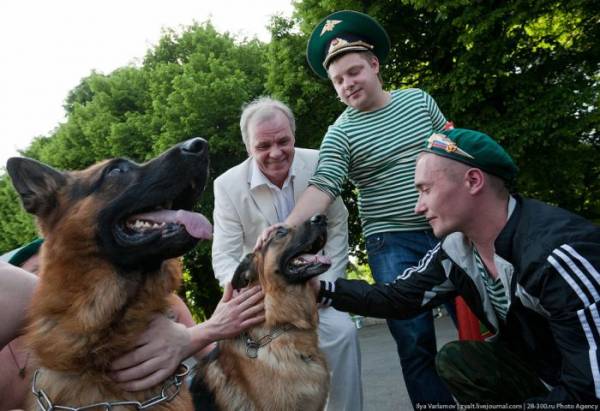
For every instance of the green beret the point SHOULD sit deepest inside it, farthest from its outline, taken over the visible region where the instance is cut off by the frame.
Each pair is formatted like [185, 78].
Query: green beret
[345, 31]
[19, 255]
[475, 149]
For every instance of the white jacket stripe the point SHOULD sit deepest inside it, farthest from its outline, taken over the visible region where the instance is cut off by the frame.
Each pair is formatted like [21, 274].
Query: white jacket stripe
[569, 271]
[422, 264]
[589, 268]
[593, 351]
[569, 279]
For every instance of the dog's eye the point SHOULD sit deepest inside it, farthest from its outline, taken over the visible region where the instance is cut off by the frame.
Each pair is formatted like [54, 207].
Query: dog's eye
[281, 232]
[117, 169]
[114, 172]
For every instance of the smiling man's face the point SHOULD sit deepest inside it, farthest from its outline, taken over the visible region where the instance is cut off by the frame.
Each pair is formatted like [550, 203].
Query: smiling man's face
[272, 146]
[354, 77]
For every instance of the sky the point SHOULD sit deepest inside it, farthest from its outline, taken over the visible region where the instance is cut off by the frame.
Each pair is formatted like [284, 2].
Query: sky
[48, 46]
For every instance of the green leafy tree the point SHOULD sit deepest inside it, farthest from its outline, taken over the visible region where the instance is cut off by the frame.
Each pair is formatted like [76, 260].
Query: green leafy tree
[525, 72]
[192, 83]
[199, 82]
[17, 227]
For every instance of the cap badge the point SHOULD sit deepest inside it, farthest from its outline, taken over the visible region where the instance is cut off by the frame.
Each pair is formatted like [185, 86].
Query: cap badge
[329, 25]
[442, 142]
[336, 44]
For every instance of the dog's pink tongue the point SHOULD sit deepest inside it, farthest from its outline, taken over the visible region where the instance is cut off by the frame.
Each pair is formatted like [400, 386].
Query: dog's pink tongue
[195, 224]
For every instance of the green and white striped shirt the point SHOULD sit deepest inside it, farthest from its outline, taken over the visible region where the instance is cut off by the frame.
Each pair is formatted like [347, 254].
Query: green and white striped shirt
[494, 288]
[376, 150]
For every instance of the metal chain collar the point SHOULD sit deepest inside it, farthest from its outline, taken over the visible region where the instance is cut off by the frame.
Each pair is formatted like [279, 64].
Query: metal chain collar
[169, 390]
[252, 346]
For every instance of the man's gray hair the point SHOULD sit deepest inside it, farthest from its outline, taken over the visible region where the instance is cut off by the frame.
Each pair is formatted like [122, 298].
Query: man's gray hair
[263, 109]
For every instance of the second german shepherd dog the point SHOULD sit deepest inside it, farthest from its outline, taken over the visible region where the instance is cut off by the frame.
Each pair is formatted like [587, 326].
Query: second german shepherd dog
[110, 233]
[276, 365]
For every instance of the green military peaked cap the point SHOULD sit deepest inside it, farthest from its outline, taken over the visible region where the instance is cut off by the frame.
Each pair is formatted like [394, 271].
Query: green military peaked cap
[475, 149]
[19, 255]
[342, 32]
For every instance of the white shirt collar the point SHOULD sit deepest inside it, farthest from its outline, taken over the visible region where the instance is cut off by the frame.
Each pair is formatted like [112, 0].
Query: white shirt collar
[257, 178]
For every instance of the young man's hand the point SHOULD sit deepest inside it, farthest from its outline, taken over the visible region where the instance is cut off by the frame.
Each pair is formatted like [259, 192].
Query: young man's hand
[264, 236]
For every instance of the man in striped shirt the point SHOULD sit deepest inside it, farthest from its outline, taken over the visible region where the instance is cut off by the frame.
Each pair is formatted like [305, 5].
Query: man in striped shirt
[529, 271]
[373, 144]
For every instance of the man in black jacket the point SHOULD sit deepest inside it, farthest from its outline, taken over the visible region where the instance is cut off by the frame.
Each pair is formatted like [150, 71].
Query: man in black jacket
[529, 271]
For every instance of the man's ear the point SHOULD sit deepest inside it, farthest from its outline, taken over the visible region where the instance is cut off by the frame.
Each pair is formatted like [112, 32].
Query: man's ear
[245, 273]
[36, 183]
[374, 63]
[475, 180]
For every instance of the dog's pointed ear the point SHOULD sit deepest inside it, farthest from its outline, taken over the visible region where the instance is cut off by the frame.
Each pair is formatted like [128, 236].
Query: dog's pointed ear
[36, 183]
[245, 273]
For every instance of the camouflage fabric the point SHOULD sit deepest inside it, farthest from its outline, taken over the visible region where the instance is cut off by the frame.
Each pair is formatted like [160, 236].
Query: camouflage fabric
[486, 372]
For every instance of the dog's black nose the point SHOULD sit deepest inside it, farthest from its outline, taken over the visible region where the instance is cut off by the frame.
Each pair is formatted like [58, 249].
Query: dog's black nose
[318, 219]
[194, 145]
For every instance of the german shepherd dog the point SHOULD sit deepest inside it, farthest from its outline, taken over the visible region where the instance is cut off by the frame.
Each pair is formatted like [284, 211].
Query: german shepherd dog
[111, 233]
[276, 365]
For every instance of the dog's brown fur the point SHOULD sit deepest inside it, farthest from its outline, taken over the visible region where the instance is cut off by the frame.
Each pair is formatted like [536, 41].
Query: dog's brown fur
[290, 373]
[95, 297]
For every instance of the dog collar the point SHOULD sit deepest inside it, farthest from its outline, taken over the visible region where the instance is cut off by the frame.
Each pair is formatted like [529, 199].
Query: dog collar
[168, 391]
[252, 345]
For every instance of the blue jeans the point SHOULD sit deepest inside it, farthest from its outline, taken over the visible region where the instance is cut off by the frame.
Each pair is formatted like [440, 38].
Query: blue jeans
[389, 255]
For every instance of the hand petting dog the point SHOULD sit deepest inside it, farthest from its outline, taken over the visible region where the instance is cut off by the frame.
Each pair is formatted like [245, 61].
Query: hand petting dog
[264, 236]
[277, 364]
[166, 343]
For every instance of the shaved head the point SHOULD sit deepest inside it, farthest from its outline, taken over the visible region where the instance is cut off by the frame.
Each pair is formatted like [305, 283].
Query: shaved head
[455, 171]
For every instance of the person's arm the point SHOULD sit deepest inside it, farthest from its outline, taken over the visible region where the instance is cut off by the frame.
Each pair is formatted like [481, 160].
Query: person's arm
[180, 313]
[438, 120]
[162, 347]
[328, 180]
[312, 201]
[16, 290]
[324, 186]
[417, 289]
[570, 296]
[228, 236]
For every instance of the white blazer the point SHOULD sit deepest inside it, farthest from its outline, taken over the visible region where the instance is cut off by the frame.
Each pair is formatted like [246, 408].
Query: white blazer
[241, 214]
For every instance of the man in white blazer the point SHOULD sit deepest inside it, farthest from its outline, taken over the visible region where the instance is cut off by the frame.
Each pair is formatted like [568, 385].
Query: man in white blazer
[261, 191]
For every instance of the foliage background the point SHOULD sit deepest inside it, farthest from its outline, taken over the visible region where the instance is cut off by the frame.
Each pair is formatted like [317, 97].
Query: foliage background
[525, 72]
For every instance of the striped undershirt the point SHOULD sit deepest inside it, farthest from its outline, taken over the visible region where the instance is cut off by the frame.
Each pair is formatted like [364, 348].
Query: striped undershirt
[376, 151]
[494, 287]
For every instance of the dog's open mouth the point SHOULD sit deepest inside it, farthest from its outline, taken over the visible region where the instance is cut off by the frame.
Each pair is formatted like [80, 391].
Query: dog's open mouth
[311, 264]
[163, 222]
[169, 222]
[309, 261]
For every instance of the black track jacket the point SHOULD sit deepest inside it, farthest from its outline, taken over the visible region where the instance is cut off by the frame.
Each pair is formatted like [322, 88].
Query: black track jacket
[548, 258]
